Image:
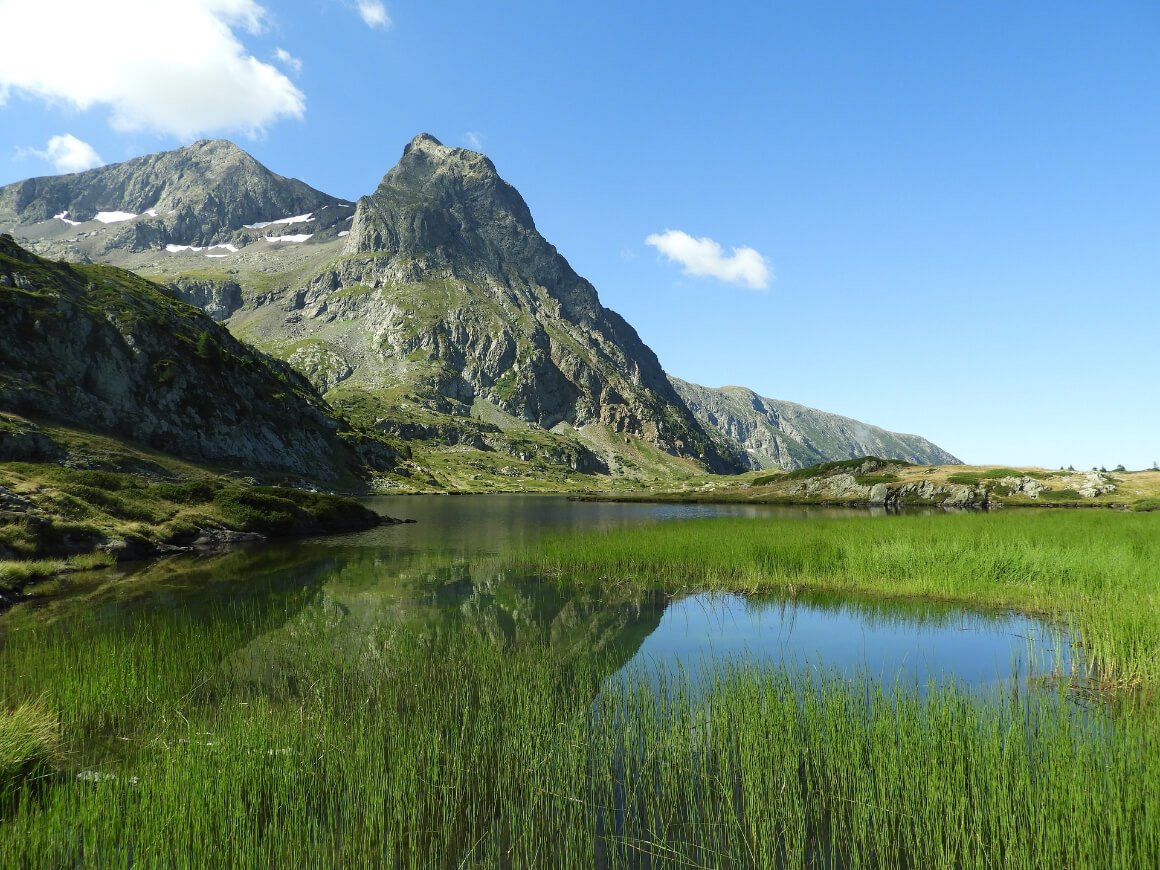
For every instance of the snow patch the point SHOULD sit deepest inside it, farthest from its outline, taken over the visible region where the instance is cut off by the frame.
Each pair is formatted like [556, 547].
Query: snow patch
[298, 238]
[63, 216]
[114, 217]
[152, 212]
[344, 233]
[177, 249]
[297, 219]
[226, 247]
[216, 256]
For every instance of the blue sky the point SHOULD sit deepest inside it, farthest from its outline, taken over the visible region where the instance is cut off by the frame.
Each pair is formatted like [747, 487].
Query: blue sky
[946, 215]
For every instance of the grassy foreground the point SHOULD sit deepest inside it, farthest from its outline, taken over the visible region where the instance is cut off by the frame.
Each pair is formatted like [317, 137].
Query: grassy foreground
[1096, 572]
[453, 751]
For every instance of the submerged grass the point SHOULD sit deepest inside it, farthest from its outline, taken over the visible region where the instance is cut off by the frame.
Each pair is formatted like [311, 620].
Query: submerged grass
[1097, 573]
[188, 749]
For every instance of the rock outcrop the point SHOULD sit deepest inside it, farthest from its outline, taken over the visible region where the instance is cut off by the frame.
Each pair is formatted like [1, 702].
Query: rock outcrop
[772, 433]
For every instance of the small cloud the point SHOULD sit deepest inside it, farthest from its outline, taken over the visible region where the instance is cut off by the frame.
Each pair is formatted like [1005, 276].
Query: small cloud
[288, 60]
[628, 254]
[67, 153]
[473, 139]
[373, 13]
[705, 257]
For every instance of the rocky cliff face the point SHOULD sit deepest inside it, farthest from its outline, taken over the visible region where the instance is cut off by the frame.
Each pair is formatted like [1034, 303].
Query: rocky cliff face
[99, 348]
[446, 288]
[207, 193]
[777, 434]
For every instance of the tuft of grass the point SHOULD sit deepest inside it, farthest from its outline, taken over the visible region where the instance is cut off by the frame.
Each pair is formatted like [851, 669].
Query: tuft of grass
[30, 743]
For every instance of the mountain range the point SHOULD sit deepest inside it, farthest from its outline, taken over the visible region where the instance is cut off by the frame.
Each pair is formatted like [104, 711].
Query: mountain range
[430, 312]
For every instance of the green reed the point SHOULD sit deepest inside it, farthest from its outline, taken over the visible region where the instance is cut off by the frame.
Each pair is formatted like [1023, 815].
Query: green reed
[187, 746]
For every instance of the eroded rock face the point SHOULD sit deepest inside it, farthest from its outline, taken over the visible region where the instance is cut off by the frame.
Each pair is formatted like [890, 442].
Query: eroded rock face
[105, 350]
[218, 299]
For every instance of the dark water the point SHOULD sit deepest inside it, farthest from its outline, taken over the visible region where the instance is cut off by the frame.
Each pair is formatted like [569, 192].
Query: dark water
[442, 574]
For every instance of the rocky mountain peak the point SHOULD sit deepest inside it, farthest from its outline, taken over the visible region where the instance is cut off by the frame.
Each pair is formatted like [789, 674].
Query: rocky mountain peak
[449, 207]
[427, 144]
[200, 194]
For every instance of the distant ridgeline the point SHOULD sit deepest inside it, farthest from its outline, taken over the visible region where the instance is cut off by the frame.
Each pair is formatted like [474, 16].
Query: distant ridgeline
[431, 312]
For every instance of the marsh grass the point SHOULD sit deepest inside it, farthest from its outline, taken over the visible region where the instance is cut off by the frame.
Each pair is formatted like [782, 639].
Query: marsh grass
[30, 744]
[1094, 573]
[16, 574]
[448, 749]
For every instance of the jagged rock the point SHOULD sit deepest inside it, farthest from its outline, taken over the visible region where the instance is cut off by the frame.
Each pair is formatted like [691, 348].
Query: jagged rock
[218, 299]
[1029, 486]
[1095, 484]
[21, 441]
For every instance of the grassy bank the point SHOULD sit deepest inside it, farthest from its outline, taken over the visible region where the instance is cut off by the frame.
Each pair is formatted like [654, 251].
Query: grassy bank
[451, 750]
[1095, 572]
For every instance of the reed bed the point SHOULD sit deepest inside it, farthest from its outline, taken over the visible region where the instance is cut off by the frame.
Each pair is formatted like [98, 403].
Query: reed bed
[448, 749]
[1097, 573]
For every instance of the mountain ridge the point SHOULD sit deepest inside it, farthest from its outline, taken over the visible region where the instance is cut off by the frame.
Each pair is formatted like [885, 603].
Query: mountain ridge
[775, 433]
[433, 309]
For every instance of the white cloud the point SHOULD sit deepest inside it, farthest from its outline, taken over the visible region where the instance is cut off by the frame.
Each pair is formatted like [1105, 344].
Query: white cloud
[67, 153]
[288, 60]
[704, 257]
[167, 66]
[373, 13]
[473, 139]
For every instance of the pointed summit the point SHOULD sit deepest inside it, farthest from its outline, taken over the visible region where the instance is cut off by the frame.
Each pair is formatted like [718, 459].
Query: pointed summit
[426, 143]
[447, 201]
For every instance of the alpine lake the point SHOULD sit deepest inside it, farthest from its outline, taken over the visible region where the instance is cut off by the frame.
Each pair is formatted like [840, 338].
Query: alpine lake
[443, 694]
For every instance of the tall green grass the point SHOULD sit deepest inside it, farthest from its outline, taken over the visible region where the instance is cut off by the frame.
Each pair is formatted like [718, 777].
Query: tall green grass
[1095, 572]
[448, 749]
